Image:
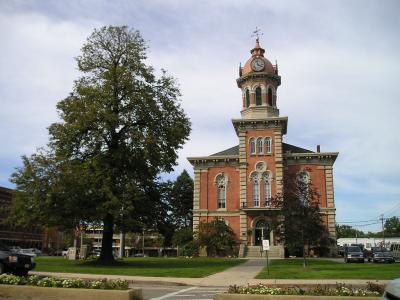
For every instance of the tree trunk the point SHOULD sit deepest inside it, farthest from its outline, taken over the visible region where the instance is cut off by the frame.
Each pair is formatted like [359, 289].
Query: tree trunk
[122, 244]
[106, 255]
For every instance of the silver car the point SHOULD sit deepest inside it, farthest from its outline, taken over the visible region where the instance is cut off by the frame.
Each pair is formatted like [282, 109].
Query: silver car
[392, 290]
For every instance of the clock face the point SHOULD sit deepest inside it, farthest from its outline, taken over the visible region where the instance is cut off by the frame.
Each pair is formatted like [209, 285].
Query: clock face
[257, 64]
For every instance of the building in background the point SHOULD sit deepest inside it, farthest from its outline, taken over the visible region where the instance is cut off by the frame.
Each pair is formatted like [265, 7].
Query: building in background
[10, 235]
[237, 184]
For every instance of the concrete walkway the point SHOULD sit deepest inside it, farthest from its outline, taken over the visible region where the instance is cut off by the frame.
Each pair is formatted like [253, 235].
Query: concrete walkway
[242, 274]
[238, 275]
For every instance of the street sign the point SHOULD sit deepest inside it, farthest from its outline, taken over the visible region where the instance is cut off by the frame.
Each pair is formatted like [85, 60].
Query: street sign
[265, 244]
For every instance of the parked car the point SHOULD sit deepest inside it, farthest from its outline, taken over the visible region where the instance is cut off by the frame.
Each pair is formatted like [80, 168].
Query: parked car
[29, 252]
[392, 290]
[370, 254]
[353, 253]
[13, 262]
[15, 249]
[383, 256]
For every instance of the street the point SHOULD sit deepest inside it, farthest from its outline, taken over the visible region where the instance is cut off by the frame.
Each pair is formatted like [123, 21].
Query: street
[175, 292]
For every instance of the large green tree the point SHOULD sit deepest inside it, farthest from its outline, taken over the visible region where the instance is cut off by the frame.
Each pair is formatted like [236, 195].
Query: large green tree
[120, 126]
[392, 227]
[302, 222]
[182, 200]
[346, 231]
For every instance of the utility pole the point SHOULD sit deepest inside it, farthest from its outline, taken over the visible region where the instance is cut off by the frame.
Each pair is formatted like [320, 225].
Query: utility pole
[383, 230]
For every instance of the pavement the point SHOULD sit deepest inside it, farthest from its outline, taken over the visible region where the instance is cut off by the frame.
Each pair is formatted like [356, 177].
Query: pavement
[242, 274]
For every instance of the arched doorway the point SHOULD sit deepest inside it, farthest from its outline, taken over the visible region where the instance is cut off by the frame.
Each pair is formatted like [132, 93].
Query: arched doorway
[261, 232]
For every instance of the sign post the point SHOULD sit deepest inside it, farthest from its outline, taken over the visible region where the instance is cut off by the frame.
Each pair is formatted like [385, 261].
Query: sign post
[265, 244]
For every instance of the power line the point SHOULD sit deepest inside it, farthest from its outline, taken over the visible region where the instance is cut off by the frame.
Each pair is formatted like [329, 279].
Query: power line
[393, 208]
[357, 221]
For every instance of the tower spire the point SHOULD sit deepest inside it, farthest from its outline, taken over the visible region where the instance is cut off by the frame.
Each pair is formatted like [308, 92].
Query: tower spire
[257, 50]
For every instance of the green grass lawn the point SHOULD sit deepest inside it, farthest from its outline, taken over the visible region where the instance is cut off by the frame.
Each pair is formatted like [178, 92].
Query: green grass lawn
[325, 269]
[139, 266]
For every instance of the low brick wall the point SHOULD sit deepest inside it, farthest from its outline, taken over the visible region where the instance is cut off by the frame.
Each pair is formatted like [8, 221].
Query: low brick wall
[286, 297]
[45, 293]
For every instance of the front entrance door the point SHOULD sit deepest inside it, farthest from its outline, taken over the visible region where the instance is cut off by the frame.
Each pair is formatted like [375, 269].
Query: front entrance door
[261, 232]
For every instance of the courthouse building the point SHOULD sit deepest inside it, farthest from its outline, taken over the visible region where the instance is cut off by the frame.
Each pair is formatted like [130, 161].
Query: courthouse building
[237, 184]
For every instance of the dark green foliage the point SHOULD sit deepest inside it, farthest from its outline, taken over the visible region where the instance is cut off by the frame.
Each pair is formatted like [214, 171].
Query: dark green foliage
[182, 199]
[392, 227]
[303, 227]
[190, 249]
[182, 236]
[346, 231]
[217, 236]
[119, 128]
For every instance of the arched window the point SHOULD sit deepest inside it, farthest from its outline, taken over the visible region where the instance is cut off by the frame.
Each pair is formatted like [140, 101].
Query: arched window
[247, 98]
[258, 96]
[221, 191]
[268, 142]
[256, 190]
[270, 100]
[252, 146]
[267, 189]
[259, 145]
[302, 181]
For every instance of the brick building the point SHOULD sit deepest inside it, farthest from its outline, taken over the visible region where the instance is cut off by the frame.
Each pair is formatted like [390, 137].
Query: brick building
[237, 184]
[11, 235]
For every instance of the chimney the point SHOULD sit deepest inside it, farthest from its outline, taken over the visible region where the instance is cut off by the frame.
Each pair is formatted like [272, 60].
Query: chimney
[318, 148]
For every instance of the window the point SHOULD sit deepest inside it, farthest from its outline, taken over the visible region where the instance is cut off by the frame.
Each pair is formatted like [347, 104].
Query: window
[258, 96]
[270, 100]
[247, 98]
[256, 190]
[221, 191]
[302, 184]
[252, 146]
[259, 145]
[268, 145]
[267, 189]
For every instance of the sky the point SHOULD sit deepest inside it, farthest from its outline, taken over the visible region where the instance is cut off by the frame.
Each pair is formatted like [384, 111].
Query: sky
[339, 62]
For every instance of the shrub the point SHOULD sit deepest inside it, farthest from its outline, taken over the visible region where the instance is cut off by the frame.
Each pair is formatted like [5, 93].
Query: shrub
[42, 281]
[217, 236]
[191, 249]
[339, 290]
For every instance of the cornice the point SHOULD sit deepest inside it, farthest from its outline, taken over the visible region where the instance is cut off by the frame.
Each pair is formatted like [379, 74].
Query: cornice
[266, 123]
[212, 161]
[259, 75]
[307, 157]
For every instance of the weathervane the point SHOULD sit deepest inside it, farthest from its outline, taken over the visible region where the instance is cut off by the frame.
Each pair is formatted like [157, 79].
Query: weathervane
[257, 33]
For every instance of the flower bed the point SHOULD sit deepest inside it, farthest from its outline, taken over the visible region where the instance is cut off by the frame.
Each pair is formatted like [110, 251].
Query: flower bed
[340, 289]
[42, 281]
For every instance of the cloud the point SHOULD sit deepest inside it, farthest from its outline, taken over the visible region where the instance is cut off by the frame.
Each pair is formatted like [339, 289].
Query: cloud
[338, 61]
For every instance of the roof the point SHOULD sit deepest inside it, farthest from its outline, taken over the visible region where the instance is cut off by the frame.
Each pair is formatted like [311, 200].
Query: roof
[294, 149]
[228, 152]
[286, 148]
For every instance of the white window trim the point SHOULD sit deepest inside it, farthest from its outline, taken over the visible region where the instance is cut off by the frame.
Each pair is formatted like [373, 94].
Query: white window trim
[216, 181]
[252, 139]
[255, 175]
[270, 145]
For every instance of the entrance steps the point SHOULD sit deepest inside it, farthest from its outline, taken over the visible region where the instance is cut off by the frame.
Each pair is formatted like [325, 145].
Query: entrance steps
[246, 251]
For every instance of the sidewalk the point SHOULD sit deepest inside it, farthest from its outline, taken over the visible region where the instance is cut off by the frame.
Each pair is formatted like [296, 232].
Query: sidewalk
[242, 274]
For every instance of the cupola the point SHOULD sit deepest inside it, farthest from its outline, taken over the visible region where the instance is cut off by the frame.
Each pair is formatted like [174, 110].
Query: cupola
[259, 81]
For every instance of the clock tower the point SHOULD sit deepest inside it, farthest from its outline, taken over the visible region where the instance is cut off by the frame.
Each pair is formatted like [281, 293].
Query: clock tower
[260, 131]
[238, 184]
